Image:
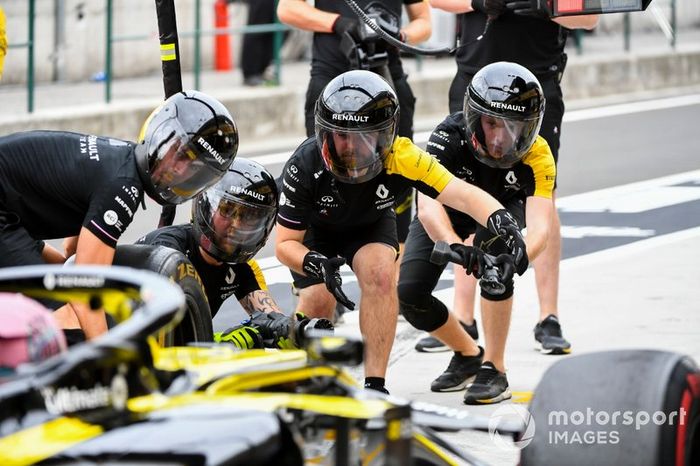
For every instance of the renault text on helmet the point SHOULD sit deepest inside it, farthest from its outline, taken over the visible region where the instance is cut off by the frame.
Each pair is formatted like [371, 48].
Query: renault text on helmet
[185, 146]
[503, 111]
[233, 219]
[356, 118]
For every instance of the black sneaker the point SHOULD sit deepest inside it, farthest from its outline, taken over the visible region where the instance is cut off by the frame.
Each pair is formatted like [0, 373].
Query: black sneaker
[490, 386]
[549, 337]
[433, 345]
[460, 371]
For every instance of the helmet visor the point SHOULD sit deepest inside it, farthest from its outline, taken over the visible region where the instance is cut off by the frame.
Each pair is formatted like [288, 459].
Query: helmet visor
[178, 169]
[234, 230]
[500, 142]
[354, 156]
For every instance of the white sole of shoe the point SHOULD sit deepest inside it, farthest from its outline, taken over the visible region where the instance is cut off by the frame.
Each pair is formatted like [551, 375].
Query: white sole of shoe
[437, 349]
[456, 388]
[538, 347]
[506, 395]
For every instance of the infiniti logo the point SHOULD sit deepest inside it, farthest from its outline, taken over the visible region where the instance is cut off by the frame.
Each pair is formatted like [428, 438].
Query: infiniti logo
[327, 199]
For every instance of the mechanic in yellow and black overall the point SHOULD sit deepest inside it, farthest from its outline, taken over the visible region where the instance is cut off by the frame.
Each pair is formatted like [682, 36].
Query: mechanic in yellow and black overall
[336, 206]
[492, 143]
[231, 222]
[335, 27]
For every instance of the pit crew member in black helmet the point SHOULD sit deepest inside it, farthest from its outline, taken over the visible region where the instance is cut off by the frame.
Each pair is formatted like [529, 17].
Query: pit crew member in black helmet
[86, 188]
[338, 189]
[231, 222]
[523, 32]
[187, 144]
[493, 144]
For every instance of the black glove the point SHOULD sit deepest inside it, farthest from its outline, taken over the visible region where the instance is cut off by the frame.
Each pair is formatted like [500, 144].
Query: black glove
[503, 224]
[506, 267]
[536, 8]
[491, 8]
[317, 265]
[350, 25]
[472, 258]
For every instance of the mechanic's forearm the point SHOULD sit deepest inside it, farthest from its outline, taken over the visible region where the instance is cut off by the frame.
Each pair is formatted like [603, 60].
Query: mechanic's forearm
[51, 255]
[70, 245]
[291, 253]
[435, 220]
[301, 15]
[259, 300]
[471, 200]
[417, 31]
[93, 322]
[453, 6]
[587, 22]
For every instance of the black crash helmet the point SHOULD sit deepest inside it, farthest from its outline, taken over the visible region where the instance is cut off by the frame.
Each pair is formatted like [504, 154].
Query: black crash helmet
[233, 218]
[185, 146]
[357, 118]
[503, 111]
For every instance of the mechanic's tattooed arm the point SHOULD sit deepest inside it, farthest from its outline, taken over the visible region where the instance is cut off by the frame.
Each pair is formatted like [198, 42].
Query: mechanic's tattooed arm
[259, 300]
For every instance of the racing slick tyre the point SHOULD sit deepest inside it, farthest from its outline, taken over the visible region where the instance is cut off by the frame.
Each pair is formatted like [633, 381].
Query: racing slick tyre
[196, 325]
[638, 407]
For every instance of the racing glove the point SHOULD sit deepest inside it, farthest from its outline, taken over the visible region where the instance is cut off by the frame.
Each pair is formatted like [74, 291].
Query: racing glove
[503, 224]
[492, 8]
[506, 267]
[536, 8]
[472, 259]
[319, 266]
[352, 26]
[241, 336]
[285, 332]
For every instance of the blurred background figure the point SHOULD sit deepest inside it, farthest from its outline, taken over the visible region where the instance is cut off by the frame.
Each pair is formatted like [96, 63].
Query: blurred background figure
[257, 48]
[3, 41]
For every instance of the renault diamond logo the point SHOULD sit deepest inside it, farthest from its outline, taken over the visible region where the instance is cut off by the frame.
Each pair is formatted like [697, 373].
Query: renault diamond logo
[230, 276]
[382, 192]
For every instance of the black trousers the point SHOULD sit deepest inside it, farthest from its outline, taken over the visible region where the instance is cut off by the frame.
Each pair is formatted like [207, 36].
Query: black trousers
[257, 48]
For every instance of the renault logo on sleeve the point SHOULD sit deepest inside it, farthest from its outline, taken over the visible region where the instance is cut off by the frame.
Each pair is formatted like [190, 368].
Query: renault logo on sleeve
[511, 178]
[382, 192]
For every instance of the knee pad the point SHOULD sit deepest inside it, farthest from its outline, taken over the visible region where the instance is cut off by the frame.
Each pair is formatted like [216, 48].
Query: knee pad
[426, 318]
[499, 297]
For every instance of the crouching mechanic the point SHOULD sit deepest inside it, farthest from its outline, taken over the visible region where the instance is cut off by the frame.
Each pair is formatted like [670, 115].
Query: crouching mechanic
[57, 184]
[231, 222]
[338, 190]
[492, 144]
